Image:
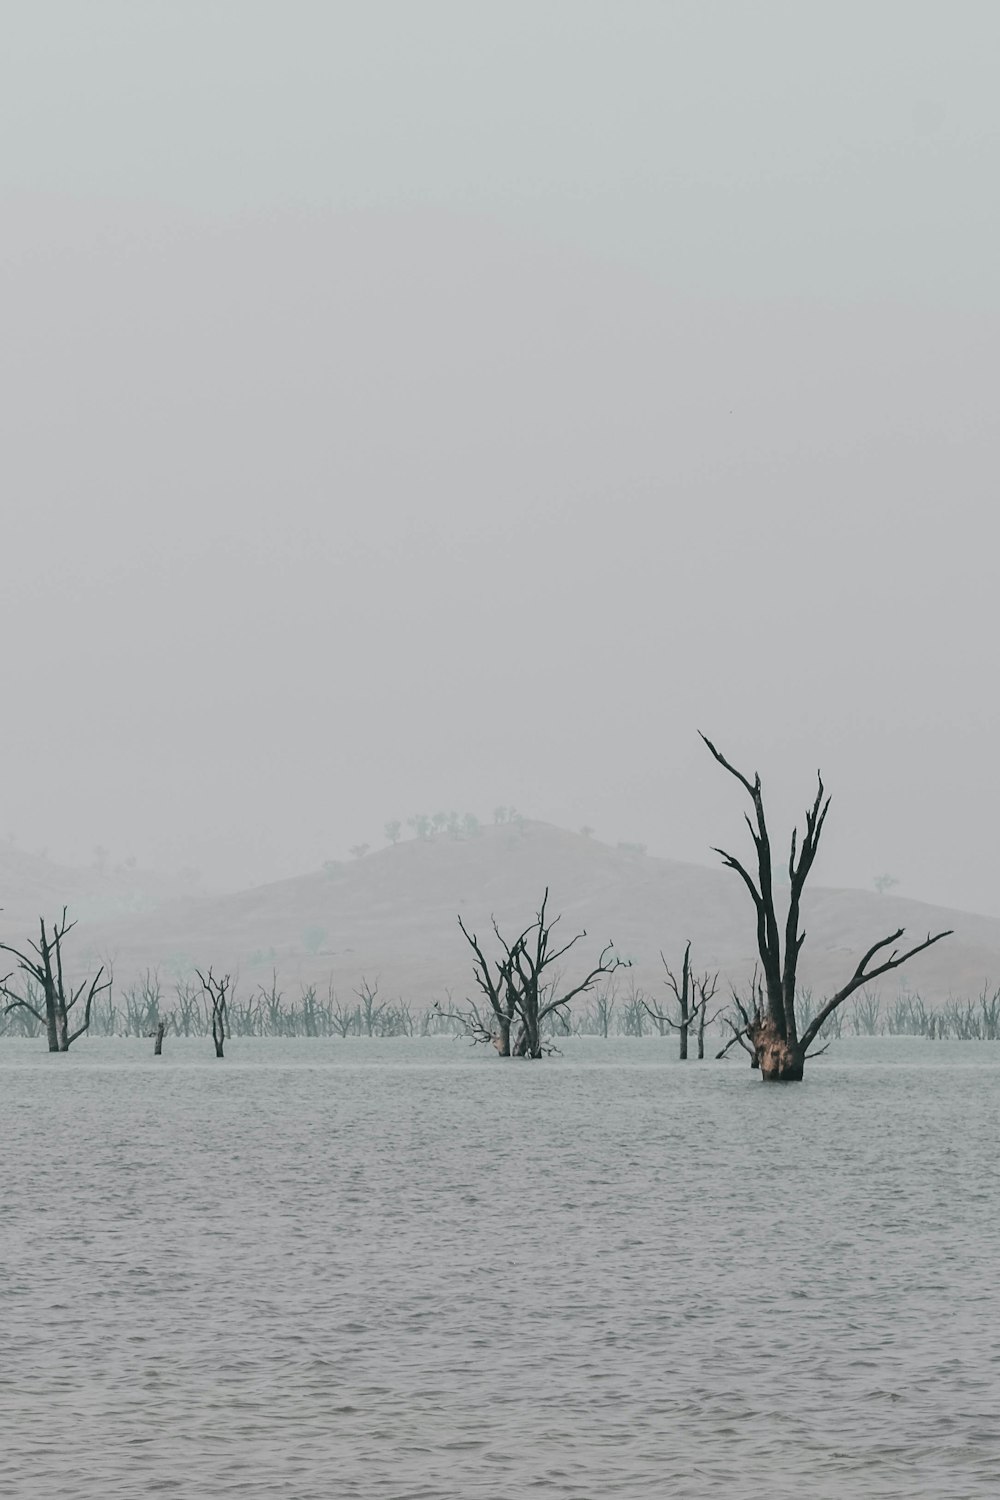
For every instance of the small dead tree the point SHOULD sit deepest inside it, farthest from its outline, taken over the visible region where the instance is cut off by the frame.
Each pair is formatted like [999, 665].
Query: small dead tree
[370, 1007]
[44, 980]
[704, 993]
[142, 1005]
[749, 1017]
[187, 1012]
[343, 1019]
[693, 995]
[522, 986]
[774, 1033]
[269, 1006]
[161, 1027]
[632, 1015]
[605, 1000]
[216, 992]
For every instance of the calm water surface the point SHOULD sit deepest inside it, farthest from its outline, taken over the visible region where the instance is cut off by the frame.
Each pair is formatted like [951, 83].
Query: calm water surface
[405, 1271]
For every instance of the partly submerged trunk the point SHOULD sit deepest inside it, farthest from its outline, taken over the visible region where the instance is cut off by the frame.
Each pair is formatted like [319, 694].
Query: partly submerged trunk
[528, 1040]
[683, 1030]
[59, 1027]
[51, 1029]
[158, 1043]
[780, 1059]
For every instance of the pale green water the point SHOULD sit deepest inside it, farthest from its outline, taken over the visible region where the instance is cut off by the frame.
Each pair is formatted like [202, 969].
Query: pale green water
[408, 1270]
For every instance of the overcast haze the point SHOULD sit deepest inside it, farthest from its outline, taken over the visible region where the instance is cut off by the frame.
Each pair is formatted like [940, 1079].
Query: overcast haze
[417, 406]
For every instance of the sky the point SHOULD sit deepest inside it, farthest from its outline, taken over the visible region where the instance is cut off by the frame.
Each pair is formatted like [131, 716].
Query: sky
[425, 406]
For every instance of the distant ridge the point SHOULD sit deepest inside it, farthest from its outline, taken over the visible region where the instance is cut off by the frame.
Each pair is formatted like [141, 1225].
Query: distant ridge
[393, 915]
[32, 885]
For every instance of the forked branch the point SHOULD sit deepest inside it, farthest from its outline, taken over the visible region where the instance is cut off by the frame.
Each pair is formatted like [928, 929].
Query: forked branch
[863, 975]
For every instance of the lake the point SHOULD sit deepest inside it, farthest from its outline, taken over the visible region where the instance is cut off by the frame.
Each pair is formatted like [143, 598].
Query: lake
[405, 1270]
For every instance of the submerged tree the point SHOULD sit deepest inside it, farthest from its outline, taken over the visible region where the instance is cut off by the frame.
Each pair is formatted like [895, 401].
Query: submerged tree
[693, 994]
[771, 1028]
[45, 983]
[522, 987]
[217, 995]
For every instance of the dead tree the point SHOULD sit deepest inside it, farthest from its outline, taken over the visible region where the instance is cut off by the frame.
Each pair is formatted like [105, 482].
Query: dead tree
[522, 984]
[605, 1000]
[161, 1027]
[750, 1016]
[370, 1007]
[187, 1012]
[216, 992]
[43, 967]
[142, 1005]
[499, 992]
[774, 1033]
[693, 996]
[704, 993]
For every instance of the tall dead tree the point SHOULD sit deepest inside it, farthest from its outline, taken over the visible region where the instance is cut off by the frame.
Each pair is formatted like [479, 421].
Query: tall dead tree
[522, 987]
[216, 994]
[42, 968]
[772, 1029]
[693, 996]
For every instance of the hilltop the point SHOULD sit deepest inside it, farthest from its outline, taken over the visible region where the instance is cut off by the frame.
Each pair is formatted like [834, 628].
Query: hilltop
[392, 915]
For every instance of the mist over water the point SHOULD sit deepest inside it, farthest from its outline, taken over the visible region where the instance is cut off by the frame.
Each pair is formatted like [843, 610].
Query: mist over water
[403, 1270]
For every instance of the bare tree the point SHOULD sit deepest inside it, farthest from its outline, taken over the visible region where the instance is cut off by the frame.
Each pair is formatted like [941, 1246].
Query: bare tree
[705, 987]
[632, 1012]
[773, 1032]
[605, 1000]
[692, 995]
[216, 993]
[43, 967]
[186, 1015]
[522, 984]
[749, 1016]
[342, 1020]
[499, 991]
[371, 1007]
[269, 1005]
[142, 1004]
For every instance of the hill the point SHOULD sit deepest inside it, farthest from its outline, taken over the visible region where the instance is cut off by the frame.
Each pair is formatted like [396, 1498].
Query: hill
[392, 915]
[32, 885]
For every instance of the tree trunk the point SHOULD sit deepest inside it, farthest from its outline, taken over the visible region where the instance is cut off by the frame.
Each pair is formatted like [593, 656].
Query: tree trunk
[60, 1027]
[780, 1060]
[527, 1043]
[158, 1043]
[683, 1029]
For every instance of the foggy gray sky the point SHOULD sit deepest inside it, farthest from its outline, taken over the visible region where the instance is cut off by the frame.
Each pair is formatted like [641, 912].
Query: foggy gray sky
[417, 406]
